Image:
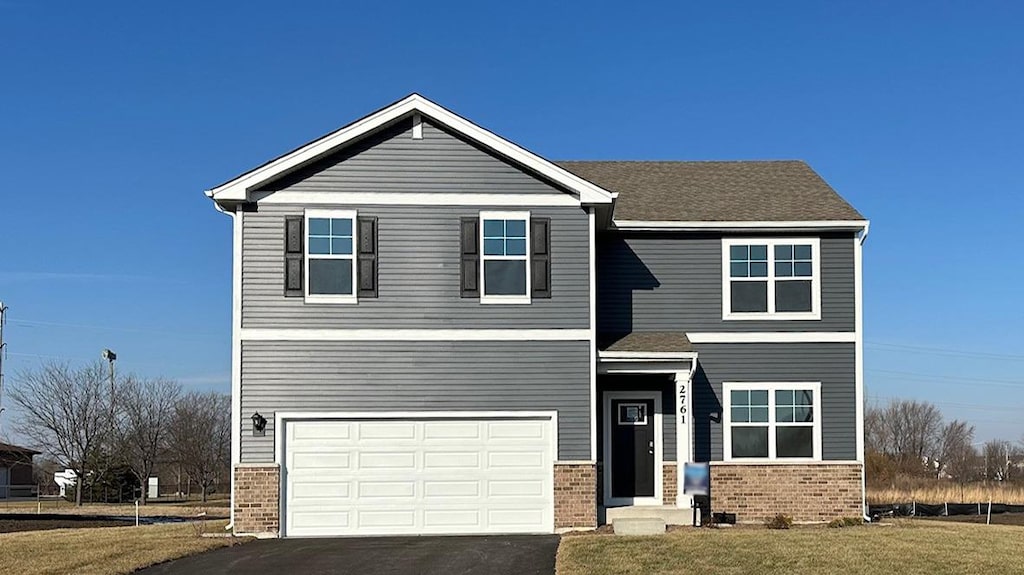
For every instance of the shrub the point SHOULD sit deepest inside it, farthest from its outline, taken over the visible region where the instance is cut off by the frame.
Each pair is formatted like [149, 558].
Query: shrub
[780, 521]
[840, 522]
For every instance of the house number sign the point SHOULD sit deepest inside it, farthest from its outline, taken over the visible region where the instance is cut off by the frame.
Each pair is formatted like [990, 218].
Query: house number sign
[682, 403]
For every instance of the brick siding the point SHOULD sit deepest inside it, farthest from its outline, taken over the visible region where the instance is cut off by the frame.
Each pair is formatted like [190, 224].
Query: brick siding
[808, 493]
[669, 483]
[575, 496]
[257, 498]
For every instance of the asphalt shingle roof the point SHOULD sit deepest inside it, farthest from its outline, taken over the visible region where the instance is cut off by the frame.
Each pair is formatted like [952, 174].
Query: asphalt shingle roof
[716, 191]
[654, 341]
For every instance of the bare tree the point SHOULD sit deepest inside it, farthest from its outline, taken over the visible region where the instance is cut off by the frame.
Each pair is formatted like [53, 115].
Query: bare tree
[146, 408]
[952, 449]
[200, 437]
[906, 430]
[997, 454]
[65, 411]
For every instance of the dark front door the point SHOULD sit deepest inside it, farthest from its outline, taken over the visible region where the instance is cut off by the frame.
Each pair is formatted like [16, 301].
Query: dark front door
[632, 447]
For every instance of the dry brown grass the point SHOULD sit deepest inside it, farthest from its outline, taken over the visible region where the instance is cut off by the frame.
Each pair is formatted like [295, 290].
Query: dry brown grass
[912, 547]
[947, 493]
[103, 551]
[190, 509]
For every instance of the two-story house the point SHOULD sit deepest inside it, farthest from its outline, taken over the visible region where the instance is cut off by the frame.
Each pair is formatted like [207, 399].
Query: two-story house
[437, 331]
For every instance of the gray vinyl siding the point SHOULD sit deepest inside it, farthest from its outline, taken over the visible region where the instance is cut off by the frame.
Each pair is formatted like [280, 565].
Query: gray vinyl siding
[832, 364]
[418, 277]
[418, 246]
[663, 282]
[391, 161]
[417, 376]
[663, 383]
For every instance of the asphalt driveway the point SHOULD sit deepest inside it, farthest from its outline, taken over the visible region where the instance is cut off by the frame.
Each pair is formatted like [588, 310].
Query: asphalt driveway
[491, 555]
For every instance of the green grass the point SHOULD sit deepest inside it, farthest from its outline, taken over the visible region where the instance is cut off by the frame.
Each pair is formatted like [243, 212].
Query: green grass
[907, 548]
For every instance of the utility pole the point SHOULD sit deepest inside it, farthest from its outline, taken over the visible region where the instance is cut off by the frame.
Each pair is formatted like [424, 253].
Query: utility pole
[3, 320]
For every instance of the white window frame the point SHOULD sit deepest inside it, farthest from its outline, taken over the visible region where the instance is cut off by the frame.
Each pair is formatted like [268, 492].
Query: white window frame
[331, 298]
[505, 299]
[771, 387]
[643, 408]
[771, 314]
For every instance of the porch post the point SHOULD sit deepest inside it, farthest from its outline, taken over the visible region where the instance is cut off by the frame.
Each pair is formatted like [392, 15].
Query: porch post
[684, 441]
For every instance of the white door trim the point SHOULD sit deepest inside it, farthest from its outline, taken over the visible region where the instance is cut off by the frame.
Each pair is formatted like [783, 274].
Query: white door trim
[610, 501]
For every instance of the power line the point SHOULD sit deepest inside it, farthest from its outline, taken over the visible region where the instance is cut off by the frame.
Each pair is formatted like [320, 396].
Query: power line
[954, 404]
[29, 323]
[950, 378]
[942, 351]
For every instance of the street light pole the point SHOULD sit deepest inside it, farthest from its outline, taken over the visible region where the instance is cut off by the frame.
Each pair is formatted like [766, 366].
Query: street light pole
[111, 357]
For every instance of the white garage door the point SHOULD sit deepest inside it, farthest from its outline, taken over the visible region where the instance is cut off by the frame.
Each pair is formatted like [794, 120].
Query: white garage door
[423, 476]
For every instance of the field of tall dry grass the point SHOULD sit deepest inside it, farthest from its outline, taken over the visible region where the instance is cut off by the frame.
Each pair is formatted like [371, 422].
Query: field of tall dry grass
[947, 493]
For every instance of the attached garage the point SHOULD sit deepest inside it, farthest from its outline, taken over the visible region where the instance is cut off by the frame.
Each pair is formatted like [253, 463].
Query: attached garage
[412, 474]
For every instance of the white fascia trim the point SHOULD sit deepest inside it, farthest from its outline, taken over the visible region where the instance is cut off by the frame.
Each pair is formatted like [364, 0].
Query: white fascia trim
[237, 221]
[260, 334]
[283, 416]
[818, 225]
[646, 355]
[773, 337]
[286, 197]
[237, 189]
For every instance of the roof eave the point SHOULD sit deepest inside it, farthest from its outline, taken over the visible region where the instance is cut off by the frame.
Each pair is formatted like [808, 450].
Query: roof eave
[755, 226]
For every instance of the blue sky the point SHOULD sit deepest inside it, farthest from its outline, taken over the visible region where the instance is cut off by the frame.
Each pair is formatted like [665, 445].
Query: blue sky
[117, 115]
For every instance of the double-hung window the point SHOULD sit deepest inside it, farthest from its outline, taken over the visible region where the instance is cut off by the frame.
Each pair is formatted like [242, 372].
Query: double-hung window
[776, 278]
[330, 256]
[772, 421]
[505, 260]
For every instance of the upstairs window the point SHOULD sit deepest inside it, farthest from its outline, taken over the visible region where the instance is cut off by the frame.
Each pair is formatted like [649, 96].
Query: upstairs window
[771, 279]
[330, 256]
[505, 261]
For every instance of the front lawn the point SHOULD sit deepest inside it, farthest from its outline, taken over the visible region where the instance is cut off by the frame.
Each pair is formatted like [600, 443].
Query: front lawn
[104, 551]
[907, 548]
[217, 508]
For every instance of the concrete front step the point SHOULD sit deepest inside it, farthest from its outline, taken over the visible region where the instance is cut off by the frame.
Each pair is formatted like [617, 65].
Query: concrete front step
[669, 514]
[639, 526]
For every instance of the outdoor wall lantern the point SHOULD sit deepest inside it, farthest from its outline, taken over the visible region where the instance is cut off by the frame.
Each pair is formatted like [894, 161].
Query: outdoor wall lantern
[259, 424]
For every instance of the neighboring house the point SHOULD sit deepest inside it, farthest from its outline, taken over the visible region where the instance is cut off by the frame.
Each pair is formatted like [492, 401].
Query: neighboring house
[445, 333]
[16, 479]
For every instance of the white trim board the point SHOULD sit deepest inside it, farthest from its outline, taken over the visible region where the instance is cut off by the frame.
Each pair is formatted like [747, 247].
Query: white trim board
[772, 337]
[237, 221]
[261, 334]
[286, 197]
[237, 189]
[659, 459]
[817, 225]
[592, 279]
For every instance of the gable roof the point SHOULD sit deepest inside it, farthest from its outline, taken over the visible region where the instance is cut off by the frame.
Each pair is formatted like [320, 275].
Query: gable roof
[738, 191]
[237, 188]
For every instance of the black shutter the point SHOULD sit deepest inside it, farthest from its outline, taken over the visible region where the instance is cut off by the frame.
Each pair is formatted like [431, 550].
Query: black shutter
[366, 257]
[469, 255]
[294, 243]
[540, 257]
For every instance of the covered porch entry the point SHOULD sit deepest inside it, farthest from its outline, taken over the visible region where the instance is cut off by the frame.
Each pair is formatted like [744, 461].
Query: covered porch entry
[644, 426]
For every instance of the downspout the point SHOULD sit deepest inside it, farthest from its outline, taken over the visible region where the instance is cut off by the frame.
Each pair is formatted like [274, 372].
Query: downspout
[865, 510]
[235, 293]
